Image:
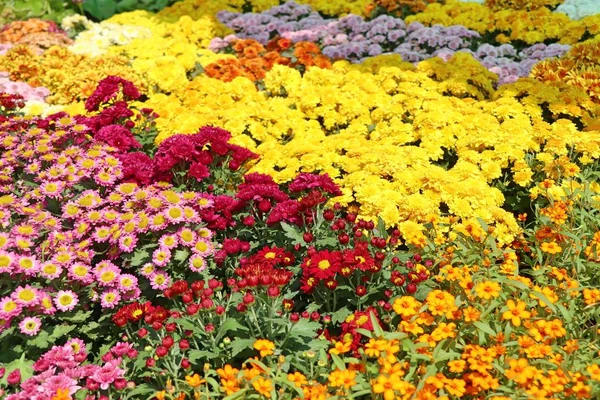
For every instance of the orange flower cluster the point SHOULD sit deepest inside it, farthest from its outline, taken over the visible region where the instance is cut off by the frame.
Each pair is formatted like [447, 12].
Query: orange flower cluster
[522, 4]
[580, 67]
[254, 60]
[34, 32]
[400, 8]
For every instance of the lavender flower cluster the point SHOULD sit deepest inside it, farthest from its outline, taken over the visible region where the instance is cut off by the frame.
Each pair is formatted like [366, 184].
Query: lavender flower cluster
[350, 37]
[22, 88]
[354, 39]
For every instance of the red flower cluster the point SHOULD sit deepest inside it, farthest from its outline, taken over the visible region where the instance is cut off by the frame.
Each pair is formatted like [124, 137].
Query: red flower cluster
[134, 312]
[306, 181]
[118, 137]
[324, 266]
[197, 296]
[10, 103]
[189, 151]
[262, 269]
[108, 89]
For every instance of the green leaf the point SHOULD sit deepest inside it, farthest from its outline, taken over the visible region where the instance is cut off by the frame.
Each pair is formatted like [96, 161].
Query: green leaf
[237, 395]
[338, 362]
[100, 9]
[376, 327]
[140, 390]
[139, 258]
[545, 300]
[26, 367]
[79, 316]
[194, 355]
[292, 233]
[59, 331]
[340, 315]
[181, 255]
[304, 328]
[328, 241]
[126, 5]
[40, 341]
[484, 327]
[239, 345]
[230, 324]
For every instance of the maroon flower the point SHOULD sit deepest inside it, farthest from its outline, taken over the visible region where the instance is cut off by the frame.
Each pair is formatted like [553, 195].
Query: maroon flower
[306, 180]
[199, 171]
[107, 90]
[117, 136]
[137, 167]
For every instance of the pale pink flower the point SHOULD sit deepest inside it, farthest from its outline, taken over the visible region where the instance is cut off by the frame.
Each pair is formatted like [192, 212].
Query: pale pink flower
[159, 280]
[110, 299]
[30, 326]
[66, 300]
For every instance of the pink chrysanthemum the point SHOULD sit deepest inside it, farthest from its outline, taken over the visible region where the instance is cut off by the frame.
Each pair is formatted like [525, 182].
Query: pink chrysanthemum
[203, 247]
[107, 375]
[101, 234]
[77, 345]
[107, 273]
[27, 265]
[148, 269]
[127, 282]
[30, 326]
[50, 270]
[6, 262]
[9, 308]
[187, 237]
[161, 256]
[110, 299]
[121, 349]
[66, 300]
[52, 189]
[26, 296]
[160, 280]
[46, 304]
[60, 381]
[127, 243]
[197, 263]
[175, 214]
[81, 272]
[105, 177]
[169, 241]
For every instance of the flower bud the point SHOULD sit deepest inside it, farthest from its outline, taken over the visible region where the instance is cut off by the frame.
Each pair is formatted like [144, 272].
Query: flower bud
[361, 290]
[162, 351]
[273, 291]
[14, 378]
[264, 205]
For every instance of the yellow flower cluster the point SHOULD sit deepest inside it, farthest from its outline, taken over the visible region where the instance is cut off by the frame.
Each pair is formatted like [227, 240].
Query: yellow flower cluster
[171, 51]
[533, 26]
[70, 77]
[198, 8]
[522, 4]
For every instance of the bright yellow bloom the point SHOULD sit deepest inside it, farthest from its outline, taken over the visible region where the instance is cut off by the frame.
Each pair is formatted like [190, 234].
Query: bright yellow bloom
[516, 312]
[194, 380]
[344, 378]
[263, 386]
[487, 290]
[264, 346]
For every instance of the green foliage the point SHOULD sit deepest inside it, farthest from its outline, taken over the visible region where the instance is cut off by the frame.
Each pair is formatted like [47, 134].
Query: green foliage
[103, 9]
[55, 10]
